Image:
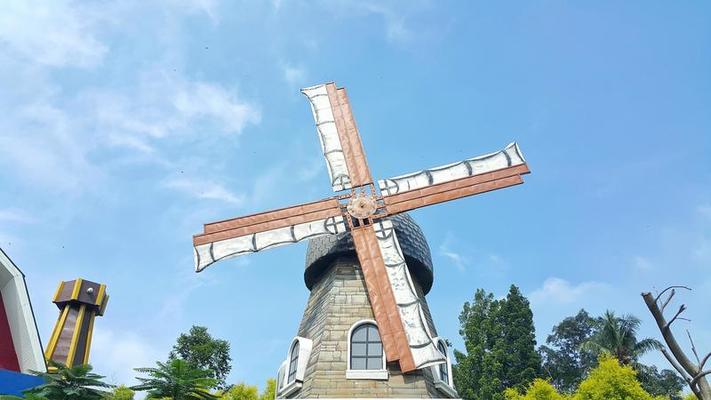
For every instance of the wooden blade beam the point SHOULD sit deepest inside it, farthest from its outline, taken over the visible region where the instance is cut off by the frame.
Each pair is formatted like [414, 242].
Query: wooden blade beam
[456, 189]
[382, 299]
[231, 228]
[349, 137]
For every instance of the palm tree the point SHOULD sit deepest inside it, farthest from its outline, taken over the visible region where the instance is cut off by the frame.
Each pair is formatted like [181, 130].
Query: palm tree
[176, 380]
[64, 383]
[618, 336]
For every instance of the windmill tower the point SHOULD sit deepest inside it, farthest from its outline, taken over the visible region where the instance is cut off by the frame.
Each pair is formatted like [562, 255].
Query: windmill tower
[79, 302]
[367, 331]
[337, 314]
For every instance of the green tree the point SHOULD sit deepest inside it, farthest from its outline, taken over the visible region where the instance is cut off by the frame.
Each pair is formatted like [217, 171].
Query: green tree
[469, 369]
[63, 383]
[120, 393]
[269, 392]
[564, 362]
[203, 351]
[617, 336]
[660, 383]
[178, 380]
[499, 338]
[611, 380]
[241, 392]
[538, 390]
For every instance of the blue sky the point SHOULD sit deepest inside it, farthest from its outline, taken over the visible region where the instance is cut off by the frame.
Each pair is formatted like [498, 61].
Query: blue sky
[126, 125]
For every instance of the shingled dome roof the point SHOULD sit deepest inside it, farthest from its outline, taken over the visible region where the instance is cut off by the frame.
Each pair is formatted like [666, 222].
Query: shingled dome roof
[323, 250]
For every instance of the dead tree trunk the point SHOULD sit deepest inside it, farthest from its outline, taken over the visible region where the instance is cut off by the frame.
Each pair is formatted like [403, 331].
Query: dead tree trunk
[692, 372]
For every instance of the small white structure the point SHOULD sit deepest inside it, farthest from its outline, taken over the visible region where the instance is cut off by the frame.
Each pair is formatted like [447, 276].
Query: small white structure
[20, 347]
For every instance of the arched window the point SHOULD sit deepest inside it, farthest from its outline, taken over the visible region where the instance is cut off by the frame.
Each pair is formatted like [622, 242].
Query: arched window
[442, 373]
[444, 367]
[290, 377]
[293, 362]
[366, 348]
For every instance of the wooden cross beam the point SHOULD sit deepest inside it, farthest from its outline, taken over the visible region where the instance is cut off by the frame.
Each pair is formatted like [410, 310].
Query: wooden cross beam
[362, 210]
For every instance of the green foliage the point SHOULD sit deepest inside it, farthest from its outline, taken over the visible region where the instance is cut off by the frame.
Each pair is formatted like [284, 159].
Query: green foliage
[499, 338]
[611, 380]
[690, 396]
[618, 337]
[564, 362]
[249, 392]
[660, 383]
[202, 351]
[241, 392]
[26, 397]
[569, 352]
[269, 392]
[177, 380]
[76, 383]
[538, 390]
[120, 393]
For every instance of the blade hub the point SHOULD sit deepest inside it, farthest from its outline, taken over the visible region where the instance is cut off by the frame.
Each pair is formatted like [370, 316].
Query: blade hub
[361, 206]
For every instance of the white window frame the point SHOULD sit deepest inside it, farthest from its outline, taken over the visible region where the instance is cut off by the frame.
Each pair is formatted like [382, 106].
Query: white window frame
[446, 388]
[281, 375]
[373, 374]
[285, 388]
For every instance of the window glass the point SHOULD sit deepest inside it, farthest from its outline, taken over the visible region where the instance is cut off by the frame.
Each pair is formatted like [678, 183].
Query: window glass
[293, 362]
[443, 372]
[366, 348]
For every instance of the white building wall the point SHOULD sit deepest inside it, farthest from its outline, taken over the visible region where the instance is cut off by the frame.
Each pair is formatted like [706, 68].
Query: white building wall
[19, 314]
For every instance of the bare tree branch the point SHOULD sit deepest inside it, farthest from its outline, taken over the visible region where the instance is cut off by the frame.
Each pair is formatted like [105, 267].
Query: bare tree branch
[671, 294]
[693, 349]
[656, 299]
[682, 308]
[699, 376]
[703, 362]
[676, 365]
[676, 356]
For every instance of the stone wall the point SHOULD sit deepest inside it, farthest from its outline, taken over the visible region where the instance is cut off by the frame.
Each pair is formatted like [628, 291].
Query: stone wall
[337, 301]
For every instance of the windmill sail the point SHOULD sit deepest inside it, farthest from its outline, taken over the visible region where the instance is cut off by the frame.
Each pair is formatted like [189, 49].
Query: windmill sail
[340, 142]
[508, 157]
[213, 251]
[424, 349]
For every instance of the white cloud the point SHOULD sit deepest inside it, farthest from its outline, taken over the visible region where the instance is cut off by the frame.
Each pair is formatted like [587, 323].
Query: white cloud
[462, 257]
[294, 76]
[55, 33]
[203, 100]
[204, 189]
[115, 354]
[642, 264]
[16, 215]
[704, 210]
[560, 291]
[393, 14]
[165, 104]
[208, 7]
[41, 142]
[446, 249]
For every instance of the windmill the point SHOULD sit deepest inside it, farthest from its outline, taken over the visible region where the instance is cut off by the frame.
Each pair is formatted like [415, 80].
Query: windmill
[363, 211]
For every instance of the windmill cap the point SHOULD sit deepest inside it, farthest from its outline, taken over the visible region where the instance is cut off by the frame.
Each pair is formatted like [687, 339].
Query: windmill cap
[323, 250]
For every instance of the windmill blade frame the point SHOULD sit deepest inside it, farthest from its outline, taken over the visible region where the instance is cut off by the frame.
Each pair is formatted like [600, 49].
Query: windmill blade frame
[338, 134]
[410, 307]
[208, 252]
[510, 156]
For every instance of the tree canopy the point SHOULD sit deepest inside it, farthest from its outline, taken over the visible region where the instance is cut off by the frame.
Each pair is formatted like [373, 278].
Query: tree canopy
[618, 336]
[564, 362]
[202, 351]
[499, 340]
[177, 380]
[64, 383]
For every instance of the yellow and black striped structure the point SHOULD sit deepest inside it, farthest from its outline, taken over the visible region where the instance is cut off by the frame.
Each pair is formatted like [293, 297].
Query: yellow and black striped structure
[79, 302]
